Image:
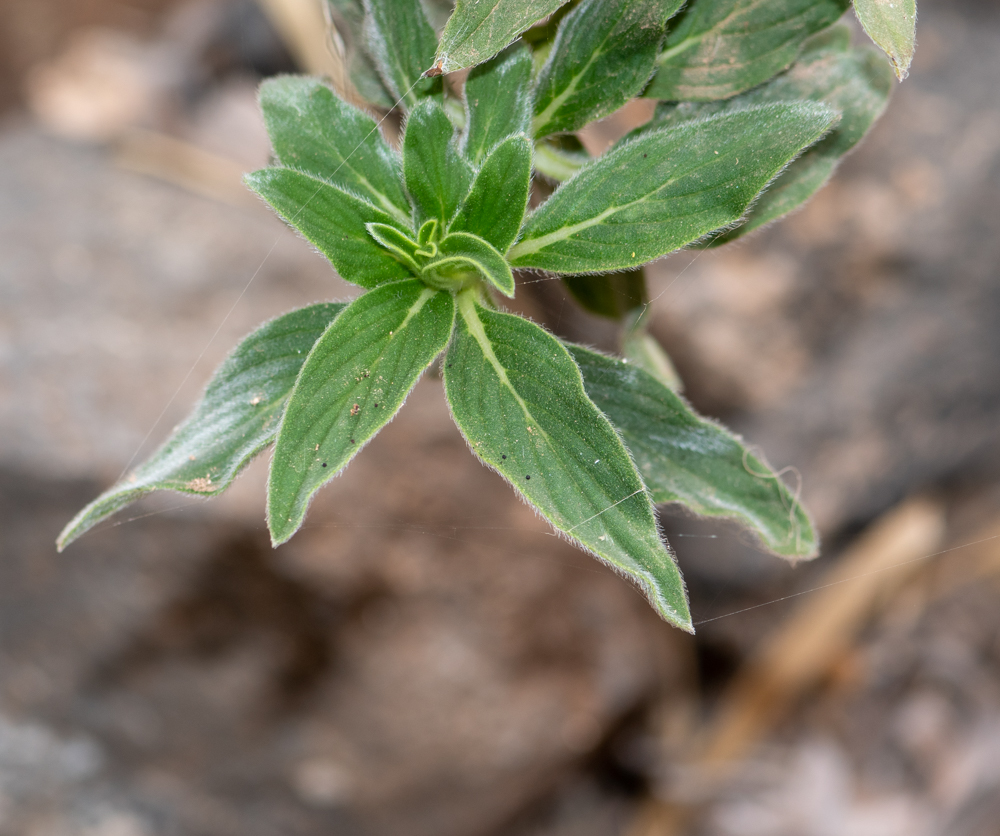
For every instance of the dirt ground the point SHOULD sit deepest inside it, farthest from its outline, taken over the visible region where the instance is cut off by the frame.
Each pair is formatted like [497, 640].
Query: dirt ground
[425, 657]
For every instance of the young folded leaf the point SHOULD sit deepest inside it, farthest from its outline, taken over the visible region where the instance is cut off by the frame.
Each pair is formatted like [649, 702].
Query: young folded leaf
[314, 131]
[479, 29]
[518, 399]
[398, 243]
[893, 27]
[356, 377]
[857, 82]
[402, 42]
[498, 199]
[333, 221]
[235, 419]
[437, 175]
[719, 48]
[686, 459]
[666, 188]
[603, 55]
[497, 101]
[460, 251]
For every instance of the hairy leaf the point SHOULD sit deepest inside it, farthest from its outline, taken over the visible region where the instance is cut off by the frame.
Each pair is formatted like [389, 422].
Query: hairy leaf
[395, 241]
[236, 418]
[352, 383]
[518, 399]
[437, 175]
[333, 221]
[666, 188]
[603, 55]
[892, 25]
[498, 199]
[459, 252]
[402, 42]
[314, 131]
[857, 82]
[719, 48]
[497, 101]
[686, 459]
[479, 29]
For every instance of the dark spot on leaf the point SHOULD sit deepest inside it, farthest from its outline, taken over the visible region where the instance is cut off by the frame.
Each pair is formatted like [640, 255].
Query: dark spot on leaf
[352, 441]
[324, 464]
[503, 457]
[645, 155]
[527, 477]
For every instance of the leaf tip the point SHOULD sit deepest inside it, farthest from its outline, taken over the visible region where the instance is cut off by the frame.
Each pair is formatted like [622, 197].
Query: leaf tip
[436, 70]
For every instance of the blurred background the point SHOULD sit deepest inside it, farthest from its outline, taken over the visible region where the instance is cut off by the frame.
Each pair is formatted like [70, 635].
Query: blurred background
[425, 657]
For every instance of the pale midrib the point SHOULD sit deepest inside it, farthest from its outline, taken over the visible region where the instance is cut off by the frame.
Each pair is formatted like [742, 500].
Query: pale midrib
[543, 118]
[687, 43]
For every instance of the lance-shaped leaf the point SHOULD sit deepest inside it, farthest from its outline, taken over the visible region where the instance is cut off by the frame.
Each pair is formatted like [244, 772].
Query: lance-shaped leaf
[333, 221]
[664, 189]
[352, 383]
[892, 25]
[348, 17]
[686, 459]
[437, 175]
[518, 399]
[603, 56]
[498, 198]
[857, 82]
[314, 131]
[460, 252]
[719, 48]
[402, 43]
[479, 29]
[497, 101]
[236, 418]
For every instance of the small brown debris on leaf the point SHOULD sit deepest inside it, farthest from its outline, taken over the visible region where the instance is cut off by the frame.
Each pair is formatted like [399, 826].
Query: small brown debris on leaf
[203, 484]
[355, 409]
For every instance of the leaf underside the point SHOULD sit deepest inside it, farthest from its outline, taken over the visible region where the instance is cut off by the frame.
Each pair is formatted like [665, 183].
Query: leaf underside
[686, 459]
[236, 418]
[356, 377]
[518, 398]
[893, 27]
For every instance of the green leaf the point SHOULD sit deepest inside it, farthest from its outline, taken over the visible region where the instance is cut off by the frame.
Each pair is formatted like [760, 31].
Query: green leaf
[348, 17]
[686, 459]
[314, 131]
[603, 56]
[459, 252]
[402, 245]
[236, 418]
[402, 43]
[354, 380]
[892, 25]
[857, 82]
[479, 29]
[666, 188]
[437, 175]
[333, 221]
[518, 399]
[498, 199]
[497, 101]
[719, 48]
